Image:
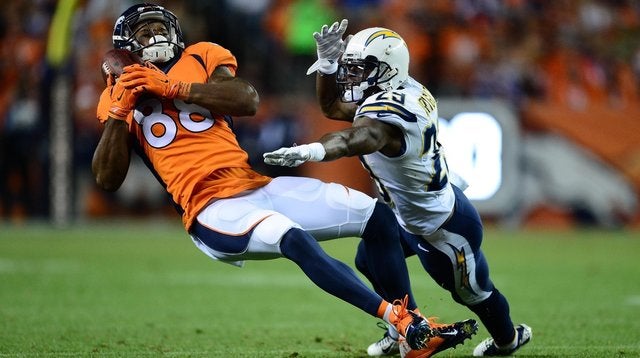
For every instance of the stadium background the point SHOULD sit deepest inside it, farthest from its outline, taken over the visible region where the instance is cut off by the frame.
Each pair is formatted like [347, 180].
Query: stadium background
[567, 71]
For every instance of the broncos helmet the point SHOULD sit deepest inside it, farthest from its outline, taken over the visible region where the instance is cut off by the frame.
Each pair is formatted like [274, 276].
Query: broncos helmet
[162, 46]
[375, 59]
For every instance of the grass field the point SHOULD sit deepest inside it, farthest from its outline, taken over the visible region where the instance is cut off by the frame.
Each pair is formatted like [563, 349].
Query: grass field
[131, 290]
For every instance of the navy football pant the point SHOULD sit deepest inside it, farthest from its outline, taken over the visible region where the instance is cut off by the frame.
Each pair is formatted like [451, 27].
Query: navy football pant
[453, 258]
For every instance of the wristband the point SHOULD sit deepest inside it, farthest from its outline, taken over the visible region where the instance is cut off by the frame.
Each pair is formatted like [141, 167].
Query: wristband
[316, 152]
[326, 67]
[182, 90]
[119, 113]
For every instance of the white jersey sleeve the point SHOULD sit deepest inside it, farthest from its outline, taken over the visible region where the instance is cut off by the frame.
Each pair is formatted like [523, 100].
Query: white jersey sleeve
[415, 184]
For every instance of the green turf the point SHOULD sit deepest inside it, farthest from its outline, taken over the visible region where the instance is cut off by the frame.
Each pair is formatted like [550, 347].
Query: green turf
[129, 290]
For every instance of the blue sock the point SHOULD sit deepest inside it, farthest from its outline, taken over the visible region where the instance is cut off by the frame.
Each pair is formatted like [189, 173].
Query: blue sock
[331, 275]
[494, 314]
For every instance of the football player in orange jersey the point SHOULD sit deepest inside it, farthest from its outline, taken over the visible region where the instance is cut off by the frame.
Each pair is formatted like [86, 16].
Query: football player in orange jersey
[175, 112]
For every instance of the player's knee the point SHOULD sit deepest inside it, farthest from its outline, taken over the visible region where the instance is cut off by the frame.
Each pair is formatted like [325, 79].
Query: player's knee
[272, 228]
[360, 260]
[297, 244]
[467, 298]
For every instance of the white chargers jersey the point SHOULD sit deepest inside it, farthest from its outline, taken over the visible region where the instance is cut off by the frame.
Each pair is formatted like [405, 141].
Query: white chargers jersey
[415, 184]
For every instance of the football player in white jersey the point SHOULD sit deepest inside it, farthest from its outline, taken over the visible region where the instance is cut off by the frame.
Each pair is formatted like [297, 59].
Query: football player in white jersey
[395, 133]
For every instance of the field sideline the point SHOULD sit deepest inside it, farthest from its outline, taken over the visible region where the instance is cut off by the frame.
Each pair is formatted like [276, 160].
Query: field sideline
[143, 290]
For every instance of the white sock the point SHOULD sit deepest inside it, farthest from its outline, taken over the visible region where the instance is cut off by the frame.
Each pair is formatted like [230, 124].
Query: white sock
[387, 313]
[393, 332]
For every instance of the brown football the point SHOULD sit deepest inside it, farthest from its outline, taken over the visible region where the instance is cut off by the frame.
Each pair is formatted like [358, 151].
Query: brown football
[114, 60]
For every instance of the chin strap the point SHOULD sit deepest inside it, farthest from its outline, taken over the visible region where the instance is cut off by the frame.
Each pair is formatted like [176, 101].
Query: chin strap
[160, 50]
[354, 94]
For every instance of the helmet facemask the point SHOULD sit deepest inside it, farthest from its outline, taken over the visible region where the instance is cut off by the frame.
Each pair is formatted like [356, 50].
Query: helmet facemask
[159, 48]
[359, 78]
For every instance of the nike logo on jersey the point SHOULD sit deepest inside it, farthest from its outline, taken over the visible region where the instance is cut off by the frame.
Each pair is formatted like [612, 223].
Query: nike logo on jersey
[422, 248]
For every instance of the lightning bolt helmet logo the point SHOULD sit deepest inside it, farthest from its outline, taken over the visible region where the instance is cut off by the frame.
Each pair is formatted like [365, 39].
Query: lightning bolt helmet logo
[384, 33]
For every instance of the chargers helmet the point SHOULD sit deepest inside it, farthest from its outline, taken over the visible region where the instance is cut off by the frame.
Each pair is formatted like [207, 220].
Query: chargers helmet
[162, 46]
[375, 59]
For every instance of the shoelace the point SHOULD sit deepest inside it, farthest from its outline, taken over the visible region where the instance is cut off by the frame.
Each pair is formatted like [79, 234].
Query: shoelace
[401, 312]
[400, 308]
[382, 325]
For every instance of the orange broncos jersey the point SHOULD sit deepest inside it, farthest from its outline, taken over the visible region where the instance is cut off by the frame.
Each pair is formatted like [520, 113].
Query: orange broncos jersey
[192, 151]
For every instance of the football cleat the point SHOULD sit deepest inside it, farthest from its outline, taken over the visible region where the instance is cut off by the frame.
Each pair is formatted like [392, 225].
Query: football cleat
[413, 327]
[487, 348]
[445, 336]
[386, 346]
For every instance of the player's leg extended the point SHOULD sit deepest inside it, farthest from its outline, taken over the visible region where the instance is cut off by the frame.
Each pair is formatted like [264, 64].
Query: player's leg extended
[245, 228]
[240, 228]
[338, 279]
[384, 255]
[453, 258]
[331, 275]
[347, 212]
[388, 344]
[386, 286]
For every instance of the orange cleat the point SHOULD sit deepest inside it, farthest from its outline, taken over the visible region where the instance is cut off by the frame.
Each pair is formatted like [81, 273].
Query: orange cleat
[444, 336]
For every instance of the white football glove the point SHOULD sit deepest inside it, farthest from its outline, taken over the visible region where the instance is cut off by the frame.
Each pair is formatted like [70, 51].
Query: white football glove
[294, 156]
[330, 46]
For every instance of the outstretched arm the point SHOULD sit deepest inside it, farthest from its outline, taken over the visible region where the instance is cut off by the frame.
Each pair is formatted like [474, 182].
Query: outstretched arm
[365, 137]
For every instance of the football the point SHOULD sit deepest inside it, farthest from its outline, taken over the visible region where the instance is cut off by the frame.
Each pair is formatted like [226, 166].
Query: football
[114, 60]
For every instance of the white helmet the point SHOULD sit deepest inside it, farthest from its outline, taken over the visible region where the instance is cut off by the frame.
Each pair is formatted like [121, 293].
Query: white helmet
[374, 57]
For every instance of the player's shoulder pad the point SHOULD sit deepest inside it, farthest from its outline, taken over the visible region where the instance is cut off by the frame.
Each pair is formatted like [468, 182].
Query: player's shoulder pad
[202, 47]
[213, 55]
[386, 104]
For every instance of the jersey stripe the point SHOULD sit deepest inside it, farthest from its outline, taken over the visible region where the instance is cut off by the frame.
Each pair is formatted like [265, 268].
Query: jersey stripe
[387, 108]
[438, 180]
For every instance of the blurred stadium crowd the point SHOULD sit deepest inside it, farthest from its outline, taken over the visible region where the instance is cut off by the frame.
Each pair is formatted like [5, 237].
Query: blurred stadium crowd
[570, 68]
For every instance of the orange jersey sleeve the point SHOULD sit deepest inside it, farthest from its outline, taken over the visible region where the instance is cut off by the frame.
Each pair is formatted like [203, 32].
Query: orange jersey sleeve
[193, 152]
